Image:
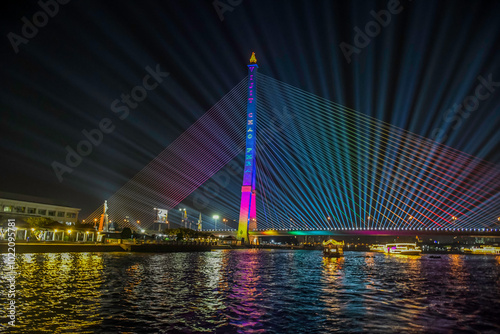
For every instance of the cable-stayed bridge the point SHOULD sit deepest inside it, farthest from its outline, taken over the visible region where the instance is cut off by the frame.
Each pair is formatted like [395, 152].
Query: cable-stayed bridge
[320, 167]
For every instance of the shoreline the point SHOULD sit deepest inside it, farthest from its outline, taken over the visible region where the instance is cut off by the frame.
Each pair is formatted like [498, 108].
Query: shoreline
[58, 247]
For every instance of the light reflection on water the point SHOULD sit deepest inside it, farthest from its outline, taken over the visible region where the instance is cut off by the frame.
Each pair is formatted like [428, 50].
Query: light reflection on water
[254, 291]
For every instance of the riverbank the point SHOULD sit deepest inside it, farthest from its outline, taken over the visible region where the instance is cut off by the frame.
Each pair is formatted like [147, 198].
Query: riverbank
[61, 247]
[27, 247]
[68, 247]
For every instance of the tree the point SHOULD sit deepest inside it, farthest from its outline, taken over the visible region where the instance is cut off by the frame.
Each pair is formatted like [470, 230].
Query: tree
[126, 233]
[39, 222]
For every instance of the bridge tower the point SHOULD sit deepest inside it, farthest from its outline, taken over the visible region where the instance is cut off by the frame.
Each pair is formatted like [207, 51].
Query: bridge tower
[248, 212]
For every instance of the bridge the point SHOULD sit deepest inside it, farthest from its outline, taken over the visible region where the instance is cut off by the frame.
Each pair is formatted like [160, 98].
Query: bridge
[305, 165]
[483, 232]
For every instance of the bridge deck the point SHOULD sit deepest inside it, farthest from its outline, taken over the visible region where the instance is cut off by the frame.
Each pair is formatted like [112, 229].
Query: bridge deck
[367, 232]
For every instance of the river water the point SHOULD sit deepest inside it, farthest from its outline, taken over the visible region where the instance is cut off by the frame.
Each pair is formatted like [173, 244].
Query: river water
[254, 291]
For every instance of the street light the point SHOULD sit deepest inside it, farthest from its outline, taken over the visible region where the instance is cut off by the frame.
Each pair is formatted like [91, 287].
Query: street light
[215, 218]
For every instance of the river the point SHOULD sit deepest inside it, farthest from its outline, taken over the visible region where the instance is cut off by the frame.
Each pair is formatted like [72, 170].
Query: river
[253, 291]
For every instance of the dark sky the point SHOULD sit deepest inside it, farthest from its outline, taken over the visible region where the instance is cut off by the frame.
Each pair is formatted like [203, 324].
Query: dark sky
[64, 77]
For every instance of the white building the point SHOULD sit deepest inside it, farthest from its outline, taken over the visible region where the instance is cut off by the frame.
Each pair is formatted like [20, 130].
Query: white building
[26, 206]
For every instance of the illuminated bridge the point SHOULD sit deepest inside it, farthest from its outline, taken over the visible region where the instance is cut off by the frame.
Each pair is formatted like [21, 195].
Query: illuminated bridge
[316, 167]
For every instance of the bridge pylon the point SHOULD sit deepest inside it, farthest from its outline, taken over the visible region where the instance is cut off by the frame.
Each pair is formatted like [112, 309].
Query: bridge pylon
[248, 211]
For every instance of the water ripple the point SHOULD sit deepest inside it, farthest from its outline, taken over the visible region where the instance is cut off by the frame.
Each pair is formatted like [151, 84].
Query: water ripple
[254, 291]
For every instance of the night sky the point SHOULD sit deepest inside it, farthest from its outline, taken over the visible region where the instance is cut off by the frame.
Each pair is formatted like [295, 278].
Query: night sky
[64, 78]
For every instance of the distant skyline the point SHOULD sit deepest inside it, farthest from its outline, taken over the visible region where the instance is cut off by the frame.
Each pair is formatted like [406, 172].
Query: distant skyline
[131, 78]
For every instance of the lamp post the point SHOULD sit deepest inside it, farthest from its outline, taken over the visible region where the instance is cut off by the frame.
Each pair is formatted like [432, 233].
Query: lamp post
[215, 219]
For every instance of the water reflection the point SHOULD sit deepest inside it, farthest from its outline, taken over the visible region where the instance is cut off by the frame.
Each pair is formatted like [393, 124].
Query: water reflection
[333, 276]
[245, 308]
[56, 292]
[255, 291]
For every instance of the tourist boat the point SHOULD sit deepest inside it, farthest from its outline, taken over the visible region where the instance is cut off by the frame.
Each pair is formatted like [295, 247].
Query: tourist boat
[333, 248]
[403, 249]
[377, 248]
[483, 249]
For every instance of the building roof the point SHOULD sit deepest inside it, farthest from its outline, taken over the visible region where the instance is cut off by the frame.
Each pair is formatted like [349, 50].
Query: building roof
[33, 199]
[333, 242]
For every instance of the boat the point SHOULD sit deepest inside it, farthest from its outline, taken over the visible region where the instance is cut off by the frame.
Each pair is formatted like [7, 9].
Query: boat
[377, 248]
[483, 249]
[333, 248]
[403, 249]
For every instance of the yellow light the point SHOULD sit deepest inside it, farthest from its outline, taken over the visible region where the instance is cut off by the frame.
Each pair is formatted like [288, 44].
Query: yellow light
[55, 231]
[253, 60]
[87, 232]
[69, 231]
[33, 230]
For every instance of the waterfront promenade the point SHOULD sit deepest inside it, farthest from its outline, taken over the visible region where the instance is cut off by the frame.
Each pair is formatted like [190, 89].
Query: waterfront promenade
[72, 247]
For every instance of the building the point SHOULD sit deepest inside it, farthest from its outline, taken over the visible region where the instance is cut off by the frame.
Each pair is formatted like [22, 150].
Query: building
[15, 205]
